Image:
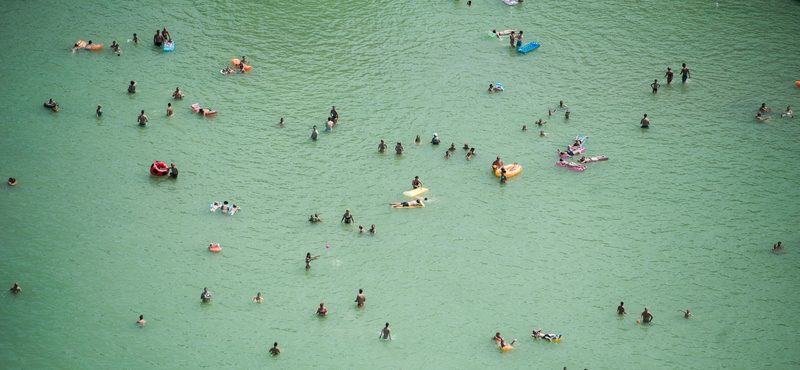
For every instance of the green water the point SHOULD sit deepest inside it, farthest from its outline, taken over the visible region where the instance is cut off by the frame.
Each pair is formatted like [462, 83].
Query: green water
[682, 215]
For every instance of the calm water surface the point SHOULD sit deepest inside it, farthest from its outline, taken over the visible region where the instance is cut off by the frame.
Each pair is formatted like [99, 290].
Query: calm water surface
[682, 216]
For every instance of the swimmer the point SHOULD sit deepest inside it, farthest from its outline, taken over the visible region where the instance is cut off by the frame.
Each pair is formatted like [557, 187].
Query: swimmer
[258, 298]
[212, 246]
[655, 85]
[225, 206]
[788, 112]
[203, 111]
[465, 147]
[115, 47]
[446, 155]
[348, 217]
[435, 140]
[503, 343]
[136, 39]
[89, 45]
[777, 247]
[621, 309]
[685, 73]
[244, 60]
[416, 183]
[399, 148]
[413, 203]
[469, 156]
[469, 3]
[372, 229]
[537, 334]
[646, 316]
[492, 88]
[417, 140]
[329, 124]
[315, 218]
[178, 94]
[335, 115]
[360, 298]
[524, 128]
[321, 311]
[310, 258]
[566, 114]
[99, 111]
[215, 206]
[502, 33]
[498, 163]
[141, 320]
[549, 112]
[540, 122]
[52, 104]
[764, 108]
[132, 87]
[542, 133]
[361, 229]
[386, 333]
[275, 350]
[452, 147]
[15, 288]
[645, 122]
[173, 172]
[314, 131]
[234, 209]
[169, 109]
[142, 119]
[686, 313]
[582, 160]
[563, 154]
[758, 117]
[206, 295]
[472, 151]
[281, 123]
[228, 71]
[562, 105]
[497, 338]
[382, 147]
[12, 181]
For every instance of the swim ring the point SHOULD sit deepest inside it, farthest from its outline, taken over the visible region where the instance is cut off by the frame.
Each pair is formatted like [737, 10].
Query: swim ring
[159, 169]
[215, 248]
[511, 170]
[51, 106]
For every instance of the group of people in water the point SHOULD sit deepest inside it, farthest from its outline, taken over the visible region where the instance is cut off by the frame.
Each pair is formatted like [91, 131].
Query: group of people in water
[764, 109]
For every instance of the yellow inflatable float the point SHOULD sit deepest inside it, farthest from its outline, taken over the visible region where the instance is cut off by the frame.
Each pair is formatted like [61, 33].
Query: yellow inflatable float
[511, 170]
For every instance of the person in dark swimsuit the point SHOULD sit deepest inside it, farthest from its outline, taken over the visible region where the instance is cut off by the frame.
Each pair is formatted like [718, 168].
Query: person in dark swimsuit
[310, 258]
[15, 288]
[348, 217]
[621, 309]
[321, 311]
[157, 40]
[669, 75]
[173, 171]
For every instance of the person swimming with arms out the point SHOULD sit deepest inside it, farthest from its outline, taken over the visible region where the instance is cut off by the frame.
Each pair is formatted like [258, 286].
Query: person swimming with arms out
[621, 309]
[788, 112]
[764, 108]
[15, 289]
[310, 258]
[686, 313]
[540, 122]
[759, 118]
[205, 296]
[348, 217]
[321, 311]
[141, 321]
[258, 298]
[360, 298]
[413, 203]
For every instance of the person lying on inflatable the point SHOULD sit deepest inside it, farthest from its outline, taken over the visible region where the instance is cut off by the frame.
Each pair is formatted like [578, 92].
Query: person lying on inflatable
[413, 203]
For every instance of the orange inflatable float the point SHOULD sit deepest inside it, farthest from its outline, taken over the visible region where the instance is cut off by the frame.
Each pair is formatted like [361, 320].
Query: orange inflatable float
[214, 247]
[236, 63]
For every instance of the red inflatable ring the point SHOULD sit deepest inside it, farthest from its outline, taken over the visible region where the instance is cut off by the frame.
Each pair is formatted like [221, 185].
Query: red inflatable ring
[159, 169]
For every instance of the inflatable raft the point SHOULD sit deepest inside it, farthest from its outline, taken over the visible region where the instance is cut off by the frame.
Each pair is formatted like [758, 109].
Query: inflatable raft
[236, 63]
[170, 46]
[511, 170]
[414, 193]
[798, 83]
[527, 48]
[196, 107]
[215, 248]
[416, 206]
[510, 2]
[572, 166]
[550, 337]
[159, 169]
[572, 150]
[595, 159]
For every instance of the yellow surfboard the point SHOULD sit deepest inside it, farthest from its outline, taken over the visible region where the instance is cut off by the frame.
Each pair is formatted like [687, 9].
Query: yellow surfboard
[414, 193]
